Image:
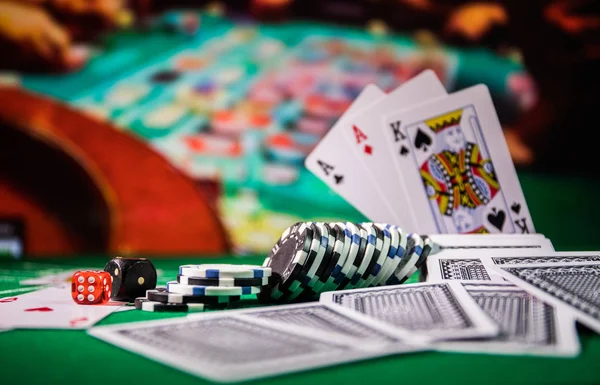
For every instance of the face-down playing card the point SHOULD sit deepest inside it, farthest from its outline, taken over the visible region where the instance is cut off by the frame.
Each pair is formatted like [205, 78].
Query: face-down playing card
[528, 326]
[432, 311]
[227, 348]
[468, 265]
[456, 164]
[574, 285]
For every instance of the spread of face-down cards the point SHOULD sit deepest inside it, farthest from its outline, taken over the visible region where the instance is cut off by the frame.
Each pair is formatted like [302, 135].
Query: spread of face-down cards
[458, 257]
[232, 346]
[567, 279]
[439, 161]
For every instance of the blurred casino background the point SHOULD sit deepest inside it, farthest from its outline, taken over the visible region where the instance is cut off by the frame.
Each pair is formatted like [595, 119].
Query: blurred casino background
[181, 127]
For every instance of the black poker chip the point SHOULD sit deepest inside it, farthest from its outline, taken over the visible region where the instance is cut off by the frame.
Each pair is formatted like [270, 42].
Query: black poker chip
[288, 259]
[153, 306]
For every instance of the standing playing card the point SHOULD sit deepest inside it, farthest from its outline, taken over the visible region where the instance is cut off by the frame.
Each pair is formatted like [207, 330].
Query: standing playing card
[433, 311]
[331, 162]
[575, 285]
[51, 308]
[453, 155]
[367, 140]
[527, 325]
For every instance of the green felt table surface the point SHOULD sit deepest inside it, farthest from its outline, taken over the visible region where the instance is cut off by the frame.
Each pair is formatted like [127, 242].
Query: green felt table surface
[564, 208]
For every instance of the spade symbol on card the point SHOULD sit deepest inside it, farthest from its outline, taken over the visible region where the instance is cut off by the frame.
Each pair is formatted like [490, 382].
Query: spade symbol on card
[497, 218]
[422, 140]
[516, 207]
[338, 178]
[403, 151]
[40, 309]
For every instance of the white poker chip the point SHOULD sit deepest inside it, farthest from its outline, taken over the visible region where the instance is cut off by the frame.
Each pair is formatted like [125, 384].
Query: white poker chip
[210, 291]
[344, 251]
[225, 271]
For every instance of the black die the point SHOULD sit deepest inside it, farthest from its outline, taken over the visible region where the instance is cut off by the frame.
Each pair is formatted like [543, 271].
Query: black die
[131, 277]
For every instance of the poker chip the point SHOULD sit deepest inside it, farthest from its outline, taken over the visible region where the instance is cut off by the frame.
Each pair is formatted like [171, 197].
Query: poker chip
[360, 257]
[210, 291]
[363, 270]
[225, 271]
[350, 267]
[374, 267]
[397, 250]
[153, 306]
[161, 295]
[323, 272]
[288, 257]
[414, 248]
[314, 257]
[428, 245]
[223, 282]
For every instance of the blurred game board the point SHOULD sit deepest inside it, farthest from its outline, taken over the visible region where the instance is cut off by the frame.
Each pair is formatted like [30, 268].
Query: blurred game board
[243, 104]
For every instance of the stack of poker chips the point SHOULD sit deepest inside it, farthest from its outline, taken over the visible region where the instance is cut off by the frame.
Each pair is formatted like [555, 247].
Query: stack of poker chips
[311, 258]
[205, 287]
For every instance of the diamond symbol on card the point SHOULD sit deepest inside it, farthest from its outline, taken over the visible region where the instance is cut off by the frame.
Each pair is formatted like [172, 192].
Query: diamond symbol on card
[43, 309]
[368, 149]
[8, 300]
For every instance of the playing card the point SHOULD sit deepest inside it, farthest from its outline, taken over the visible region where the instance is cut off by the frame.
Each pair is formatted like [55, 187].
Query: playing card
[227, 348]
[575, 285]
[433, 311]
[327, 319]
[525, 242]
[466, 264]
[528, 326]
[334, 164]
[454, 149]
[53, 279]
[364, 133]
[51, 308]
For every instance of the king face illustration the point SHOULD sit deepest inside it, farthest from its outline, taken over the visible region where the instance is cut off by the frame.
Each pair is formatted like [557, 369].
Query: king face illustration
[457, 176]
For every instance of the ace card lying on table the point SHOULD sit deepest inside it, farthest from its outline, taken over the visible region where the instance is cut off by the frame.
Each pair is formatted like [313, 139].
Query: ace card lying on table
[453, 158]
[50, 308]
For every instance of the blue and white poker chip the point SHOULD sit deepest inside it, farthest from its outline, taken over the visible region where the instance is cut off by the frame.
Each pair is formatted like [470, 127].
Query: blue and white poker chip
[349, 268]
[392, 258]
[362, 272]
[414, 248]
[225, 271]
[210, 291]
[378, 256]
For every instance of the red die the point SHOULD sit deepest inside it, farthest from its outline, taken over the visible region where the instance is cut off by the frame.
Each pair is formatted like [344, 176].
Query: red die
[91, 287]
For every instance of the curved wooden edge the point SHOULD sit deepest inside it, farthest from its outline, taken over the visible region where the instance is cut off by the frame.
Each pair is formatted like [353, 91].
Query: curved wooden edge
[154, 208]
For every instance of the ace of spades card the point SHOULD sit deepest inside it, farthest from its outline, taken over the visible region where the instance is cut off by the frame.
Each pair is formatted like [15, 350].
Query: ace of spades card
[455, 162]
